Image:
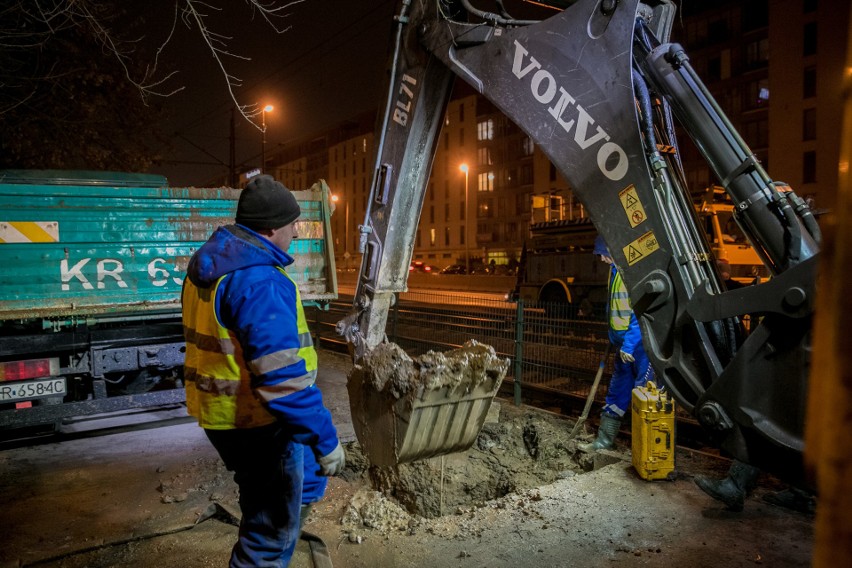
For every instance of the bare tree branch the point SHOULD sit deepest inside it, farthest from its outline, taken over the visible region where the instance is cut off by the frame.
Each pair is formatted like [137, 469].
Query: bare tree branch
[270, 11]
[50, 17]
[147, 85]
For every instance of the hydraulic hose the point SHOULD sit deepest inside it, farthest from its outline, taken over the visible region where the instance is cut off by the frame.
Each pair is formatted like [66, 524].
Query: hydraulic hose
[644, 98]
[493, 18]
[803, 212]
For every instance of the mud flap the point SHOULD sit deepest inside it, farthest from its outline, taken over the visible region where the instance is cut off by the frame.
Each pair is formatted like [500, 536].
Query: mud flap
[406, 409]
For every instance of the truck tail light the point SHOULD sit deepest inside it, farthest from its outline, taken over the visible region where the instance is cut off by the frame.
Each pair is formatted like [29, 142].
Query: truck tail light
[29, 369]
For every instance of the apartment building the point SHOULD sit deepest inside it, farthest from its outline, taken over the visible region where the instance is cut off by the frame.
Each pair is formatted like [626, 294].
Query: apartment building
[774, 66]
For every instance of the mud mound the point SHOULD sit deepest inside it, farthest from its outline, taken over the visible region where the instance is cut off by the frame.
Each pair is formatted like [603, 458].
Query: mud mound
[517, 450]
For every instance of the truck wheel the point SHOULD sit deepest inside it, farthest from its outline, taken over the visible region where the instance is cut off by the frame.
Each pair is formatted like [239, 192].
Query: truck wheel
[555, 303]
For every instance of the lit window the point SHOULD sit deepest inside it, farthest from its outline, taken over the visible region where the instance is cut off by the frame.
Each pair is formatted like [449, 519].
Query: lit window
[486, 181]
[485, 130]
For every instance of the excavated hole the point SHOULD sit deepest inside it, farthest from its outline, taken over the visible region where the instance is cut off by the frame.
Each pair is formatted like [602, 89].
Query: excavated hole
[518, 449]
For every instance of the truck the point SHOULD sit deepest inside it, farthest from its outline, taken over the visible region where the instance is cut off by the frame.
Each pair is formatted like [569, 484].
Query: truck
[598, 87]
[557, 266]
[94, 262]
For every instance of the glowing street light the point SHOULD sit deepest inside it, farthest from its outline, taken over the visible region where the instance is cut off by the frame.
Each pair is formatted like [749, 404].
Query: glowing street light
[267, 108]
[466, 170]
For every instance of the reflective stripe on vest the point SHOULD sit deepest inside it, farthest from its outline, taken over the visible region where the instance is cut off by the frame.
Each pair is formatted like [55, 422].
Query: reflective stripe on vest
[218, 385]
[286, 357]
[619, 303]
[217, 377]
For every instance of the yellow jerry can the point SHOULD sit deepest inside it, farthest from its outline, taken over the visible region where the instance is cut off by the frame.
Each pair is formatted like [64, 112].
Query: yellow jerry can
[653, 433]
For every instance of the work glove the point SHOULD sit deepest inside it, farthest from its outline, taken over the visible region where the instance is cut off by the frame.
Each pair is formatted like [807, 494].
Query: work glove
[626, 357]
[333, 462]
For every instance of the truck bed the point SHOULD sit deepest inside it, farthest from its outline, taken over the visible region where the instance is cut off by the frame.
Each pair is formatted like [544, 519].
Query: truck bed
[103, 244]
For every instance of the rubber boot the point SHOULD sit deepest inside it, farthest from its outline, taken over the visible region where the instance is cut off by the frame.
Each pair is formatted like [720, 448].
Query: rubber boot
[304, 513]
[607, 432]
[733, 489]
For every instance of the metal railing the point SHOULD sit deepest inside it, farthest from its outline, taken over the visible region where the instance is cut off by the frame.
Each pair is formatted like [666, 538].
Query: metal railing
[549, 346]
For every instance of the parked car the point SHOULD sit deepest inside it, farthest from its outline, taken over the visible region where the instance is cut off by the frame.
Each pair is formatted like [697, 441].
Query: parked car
[420, 266]
[454, 269]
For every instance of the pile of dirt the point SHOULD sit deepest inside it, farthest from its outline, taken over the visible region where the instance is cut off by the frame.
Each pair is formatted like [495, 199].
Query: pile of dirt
[517, 449]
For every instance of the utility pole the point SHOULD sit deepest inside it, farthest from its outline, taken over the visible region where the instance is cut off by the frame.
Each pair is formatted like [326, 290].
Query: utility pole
[466, 170]
[232, 167]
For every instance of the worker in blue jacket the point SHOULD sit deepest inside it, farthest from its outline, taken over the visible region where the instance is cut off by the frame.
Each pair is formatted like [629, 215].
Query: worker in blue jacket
[631, 368]
[251, 368]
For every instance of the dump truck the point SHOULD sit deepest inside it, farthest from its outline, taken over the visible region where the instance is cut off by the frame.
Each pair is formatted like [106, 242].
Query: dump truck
[557, 265]
[94, 262]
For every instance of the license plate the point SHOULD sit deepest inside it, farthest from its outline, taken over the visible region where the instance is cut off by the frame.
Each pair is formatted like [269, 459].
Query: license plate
[26, 390]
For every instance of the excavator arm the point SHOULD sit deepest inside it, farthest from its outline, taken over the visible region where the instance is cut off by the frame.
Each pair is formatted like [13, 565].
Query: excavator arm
[598, 89]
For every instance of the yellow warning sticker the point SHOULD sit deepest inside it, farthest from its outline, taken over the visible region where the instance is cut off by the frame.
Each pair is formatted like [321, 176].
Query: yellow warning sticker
[632, 206]
[640, 248]
[29, 231]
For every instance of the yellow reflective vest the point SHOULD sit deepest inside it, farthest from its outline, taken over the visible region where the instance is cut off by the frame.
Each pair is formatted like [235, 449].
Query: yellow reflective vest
[619, 302]
[217, 376]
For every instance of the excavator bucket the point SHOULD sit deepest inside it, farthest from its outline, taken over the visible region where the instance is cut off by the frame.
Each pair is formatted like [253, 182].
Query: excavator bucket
[406, 409]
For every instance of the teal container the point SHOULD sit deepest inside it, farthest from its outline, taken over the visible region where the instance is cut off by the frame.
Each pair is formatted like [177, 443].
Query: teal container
[83, 244]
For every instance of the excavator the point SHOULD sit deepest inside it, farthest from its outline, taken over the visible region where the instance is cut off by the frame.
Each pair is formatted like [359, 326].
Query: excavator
[599, 89]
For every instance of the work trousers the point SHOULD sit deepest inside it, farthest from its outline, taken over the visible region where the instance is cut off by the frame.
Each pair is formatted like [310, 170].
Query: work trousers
[625, 377]
[268, 468]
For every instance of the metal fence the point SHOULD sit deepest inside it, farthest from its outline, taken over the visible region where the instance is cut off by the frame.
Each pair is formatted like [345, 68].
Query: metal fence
[550, 346]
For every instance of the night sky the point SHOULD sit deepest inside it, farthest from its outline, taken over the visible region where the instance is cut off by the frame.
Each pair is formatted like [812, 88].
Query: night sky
[329, 66]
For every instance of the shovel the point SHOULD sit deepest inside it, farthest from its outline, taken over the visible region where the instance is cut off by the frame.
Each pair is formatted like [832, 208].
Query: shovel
[591, 396]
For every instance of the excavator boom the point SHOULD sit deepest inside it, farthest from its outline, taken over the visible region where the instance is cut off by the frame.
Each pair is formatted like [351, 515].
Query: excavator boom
[598, 89]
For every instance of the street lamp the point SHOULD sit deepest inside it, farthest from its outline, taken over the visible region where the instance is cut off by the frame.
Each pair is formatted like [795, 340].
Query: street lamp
[466, 170]
[267, 108]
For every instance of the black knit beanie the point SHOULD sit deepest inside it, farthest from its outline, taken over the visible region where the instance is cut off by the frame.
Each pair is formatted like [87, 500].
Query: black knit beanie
[266, 204]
